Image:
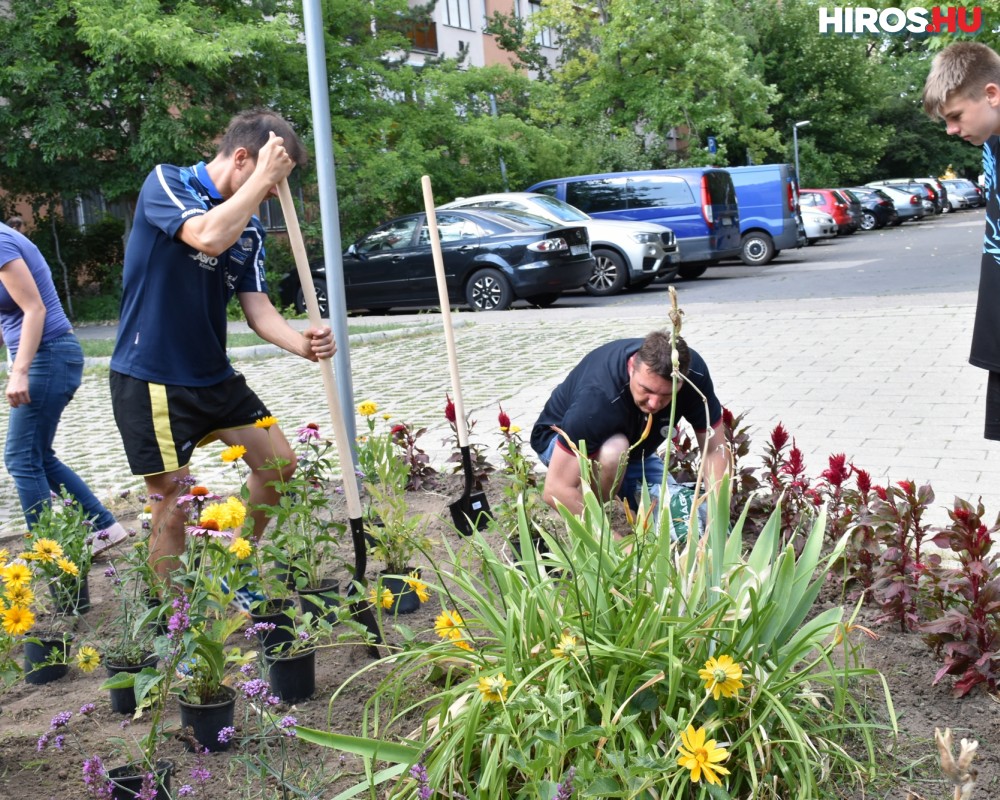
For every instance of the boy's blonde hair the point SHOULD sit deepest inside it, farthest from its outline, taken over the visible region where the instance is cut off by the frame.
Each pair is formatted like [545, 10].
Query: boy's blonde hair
[962, 69]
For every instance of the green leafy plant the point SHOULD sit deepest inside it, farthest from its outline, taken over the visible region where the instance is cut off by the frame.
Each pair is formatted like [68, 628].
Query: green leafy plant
[395, 535]
[602, 667]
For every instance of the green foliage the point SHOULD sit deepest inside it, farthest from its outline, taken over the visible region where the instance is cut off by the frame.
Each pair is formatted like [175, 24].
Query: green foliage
[91, 257]
[591, 657]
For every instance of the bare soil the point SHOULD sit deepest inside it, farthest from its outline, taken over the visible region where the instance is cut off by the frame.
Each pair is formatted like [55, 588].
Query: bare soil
[909, 763]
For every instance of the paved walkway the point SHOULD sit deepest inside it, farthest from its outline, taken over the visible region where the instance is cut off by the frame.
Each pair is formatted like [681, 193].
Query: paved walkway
[884, 380]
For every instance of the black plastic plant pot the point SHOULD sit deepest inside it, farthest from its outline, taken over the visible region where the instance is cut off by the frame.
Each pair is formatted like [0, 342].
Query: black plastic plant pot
[292, 678]
[277, 613]
[322, 601]
[126, 782]
[71, 597]
[123, 700]
[38, 652]
[206, 720]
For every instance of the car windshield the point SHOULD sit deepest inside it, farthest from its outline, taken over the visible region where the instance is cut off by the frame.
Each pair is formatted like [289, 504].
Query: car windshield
[557, 208]
[520, 222]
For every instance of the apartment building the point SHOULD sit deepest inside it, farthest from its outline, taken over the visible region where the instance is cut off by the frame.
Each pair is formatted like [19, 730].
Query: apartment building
[458, 25]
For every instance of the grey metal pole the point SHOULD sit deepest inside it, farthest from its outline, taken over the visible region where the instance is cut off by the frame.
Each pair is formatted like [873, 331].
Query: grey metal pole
[319, 92]
[795, 140]
[503, 164]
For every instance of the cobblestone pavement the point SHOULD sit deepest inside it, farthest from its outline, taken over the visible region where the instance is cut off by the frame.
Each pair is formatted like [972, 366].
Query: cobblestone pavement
[884, 380]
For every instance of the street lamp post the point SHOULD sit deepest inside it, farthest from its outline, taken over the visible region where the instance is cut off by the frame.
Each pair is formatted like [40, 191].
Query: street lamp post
[795, 140]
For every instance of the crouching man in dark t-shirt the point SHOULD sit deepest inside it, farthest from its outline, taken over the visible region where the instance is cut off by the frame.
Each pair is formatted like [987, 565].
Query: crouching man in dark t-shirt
[605, 402]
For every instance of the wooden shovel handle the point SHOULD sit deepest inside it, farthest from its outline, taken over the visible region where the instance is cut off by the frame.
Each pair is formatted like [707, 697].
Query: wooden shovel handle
[340, 435]
[449, 331]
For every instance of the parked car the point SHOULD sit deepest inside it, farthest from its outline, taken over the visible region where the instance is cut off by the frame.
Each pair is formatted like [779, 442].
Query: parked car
[626, 254]
[698, 204]
[765, 194]
[854, 208]
[826, 200]
[817, 223]
[909, 206]
[926, 191]
[962, 187]
[877, 208]
[491, 258]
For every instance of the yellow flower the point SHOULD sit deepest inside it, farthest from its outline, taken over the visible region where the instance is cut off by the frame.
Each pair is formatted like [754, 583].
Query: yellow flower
[567, 646]
[448, 624]
[494, 688]
[386, 417]
[87, 659]
[15, 574]
[4, 555]
[367, 408]
[17, 620]
[241, 548]
[384, 599]
[227, 515]
[233, 453]
[266, 422]
[68, 566]
[419, 587]
[20, 595]
[722, 676]
[462, 642]
[46, 550]
[701, 757]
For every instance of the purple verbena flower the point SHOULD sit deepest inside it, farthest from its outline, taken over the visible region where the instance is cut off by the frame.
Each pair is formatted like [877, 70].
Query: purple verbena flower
[155, 497]
[103, 536]
[59, 741]
[304, 636]
[149, 789]
[226, 734]
[273, 700]
[419, 773]
[96, 779]
[564, 791]
[43, 741]
[110, 572]
[287, 725]
[185, 791]
[61, 720]
[200, 773]
[87, 708]
[248, 669]
[259, 629]
[255, 688]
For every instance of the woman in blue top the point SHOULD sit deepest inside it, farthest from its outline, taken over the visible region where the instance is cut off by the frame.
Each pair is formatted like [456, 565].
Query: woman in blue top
[45, 368]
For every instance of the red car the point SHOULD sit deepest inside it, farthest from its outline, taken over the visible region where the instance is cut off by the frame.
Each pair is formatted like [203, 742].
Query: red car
[827, 200]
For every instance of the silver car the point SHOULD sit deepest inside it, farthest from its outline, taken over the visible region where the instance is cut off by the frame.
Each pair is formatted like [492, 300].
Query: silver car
[908, 205]
[626, 254]
[818, 224]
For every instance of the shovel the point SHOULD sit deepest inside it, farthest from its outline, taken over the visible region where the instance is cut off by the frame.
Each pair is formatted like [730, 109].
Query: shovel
[360, 609]
[471, 511]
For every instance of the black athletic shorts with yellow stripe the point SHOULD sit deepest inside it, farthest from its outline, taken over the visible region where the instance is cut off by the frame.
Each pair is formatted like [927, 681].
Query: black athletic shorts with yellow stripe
[161, 425]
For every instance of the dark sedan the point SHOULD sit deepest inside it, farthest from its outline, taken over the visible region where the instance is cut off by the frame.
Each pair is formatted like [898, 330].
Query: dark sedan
[492, 257]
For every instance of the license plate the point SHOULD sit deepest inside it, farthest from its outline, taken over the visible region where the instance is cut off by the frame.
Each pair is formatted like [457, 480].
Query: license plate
[579, 249]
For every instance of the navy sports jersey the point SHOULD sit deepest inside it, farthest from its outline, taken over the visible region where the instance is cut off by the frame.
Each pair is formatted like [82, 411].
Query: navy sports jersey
[173, 312]
[594, 403]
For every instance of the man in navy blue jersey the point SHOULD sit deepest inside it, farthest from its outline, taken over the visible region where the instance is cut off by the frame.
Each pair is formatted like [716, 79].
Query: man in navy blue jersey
[196, 242]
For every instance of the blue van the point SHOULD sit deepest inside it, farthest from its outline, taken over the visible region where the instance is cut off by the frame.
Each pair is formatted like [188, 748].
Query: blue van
[698, 204]
[767, 197]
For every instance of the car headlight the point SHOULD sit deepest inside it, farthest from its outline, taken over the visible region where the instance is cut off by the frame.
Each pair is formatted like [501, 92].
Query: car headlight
[646, 238]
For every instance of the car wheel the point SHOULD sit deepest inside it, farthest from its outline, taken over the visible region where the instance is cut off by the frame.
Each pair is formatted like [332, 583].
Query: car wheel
[811, 242]
[488, 290]
[691, 271]
[321, 299]
[896, 222]
[543, 300]
[758, 249]
[609, 276]
[868, 221]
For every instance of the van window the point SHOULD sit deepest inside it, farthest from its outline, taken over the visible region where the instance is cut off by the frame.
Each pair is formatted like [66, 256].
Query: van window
[721, 190]
[592, 197]
[656, 192]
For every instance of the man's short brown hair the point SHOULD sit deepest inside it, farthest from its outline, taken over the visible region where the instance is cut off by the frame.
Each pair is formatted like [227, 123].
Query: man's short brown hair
[252, 129]
[963, 70]
[655, 354]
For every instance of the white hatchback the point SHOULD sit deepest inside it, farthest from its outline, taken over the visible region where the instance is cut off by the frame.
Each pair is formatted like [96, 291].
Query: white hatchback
[626, 254]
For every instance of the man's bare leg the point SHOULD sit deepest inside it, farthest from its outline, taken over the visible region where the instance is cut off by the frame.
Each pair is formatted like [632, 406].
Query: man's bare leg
[166, 537]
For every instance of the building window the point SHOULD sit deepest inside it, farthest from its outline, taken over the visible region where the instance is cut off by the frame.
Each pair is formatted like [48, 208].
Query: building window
[544, 36]
[90, 208]
[423, 36]
[458, 14]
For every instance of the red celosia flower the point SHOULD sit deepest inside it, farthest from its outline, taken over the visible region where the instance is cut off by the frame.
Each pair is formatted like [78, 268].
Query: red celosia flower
[727, 418]
[906, 486]
[449, 409]
[881, 492]
[814, 497]
[779, 437]
[397, 429]
[795, 465]
[837, 472]
[864, 480]
[503, 419]
[962, 514]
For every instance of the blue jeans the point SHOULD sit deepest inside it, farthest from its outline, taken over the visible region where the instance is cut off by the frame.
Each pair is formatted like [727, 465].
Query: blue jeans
[54, 376]
[648, 471]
